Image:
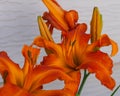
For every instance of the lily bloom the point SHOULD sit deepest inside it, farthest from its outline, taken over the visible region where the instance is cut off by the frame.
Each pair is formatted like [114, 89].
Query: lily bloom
[66, 21]
[58, 17]
[75, 53]
[29, 80]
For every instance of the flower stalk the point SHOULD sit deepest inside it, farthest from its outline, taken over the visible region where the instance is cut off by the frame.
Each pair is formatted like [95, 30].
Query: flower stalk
[86, 74]
[115, 91]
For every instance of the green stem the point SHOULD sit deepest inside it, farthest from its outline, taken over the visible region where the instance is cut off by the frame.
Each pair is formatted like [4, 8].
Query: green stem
[115, 91]
[83, 82]
[77, 94]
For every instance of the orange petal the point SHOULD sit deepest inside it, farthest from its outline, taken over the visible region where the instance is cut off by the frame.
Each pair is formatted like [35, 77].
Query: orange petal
[57, 56]
[30, 54]
[81, 39]
[106, 41]
[56, 61]
[53, 93]
[114, 47]
[74, 84]
[76, 42]
[12, 90]
[41, 42]
[70, 89]
[45, 74]
[10, 70]
[57, 13]
[71, 18]
[100, 64]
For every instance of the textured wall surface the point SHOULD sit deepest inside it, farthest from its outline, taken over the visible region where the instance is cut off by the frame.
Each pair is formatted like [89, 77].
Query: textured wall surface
[18, 26]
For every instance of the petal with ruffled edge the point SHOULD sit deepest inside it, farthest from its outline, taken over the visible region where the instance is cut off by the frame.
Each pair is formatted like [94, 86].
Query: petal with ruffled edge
[10, 71]
[30, 54]
[58, 17]
[46, 74]
[12, 90]
[100, 64]
[105, 41]
[55, 15]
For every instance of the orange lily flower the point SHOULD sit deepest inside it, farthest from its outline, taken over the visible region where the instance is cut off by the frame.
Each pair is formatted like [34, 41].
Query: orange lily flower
[58, 17]
[29, 80]
[75, 53]
[66, 20]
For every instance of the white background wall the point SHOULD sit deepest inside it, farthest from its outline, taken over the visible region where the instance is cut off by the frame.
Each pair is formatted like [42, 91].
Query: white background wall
[18, 26]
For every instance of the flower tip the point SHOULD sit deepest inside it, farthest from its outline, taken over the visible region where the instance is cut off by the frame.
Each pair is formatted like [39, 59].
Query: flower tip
[39, 17]
[96, 8]
[114, 48]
